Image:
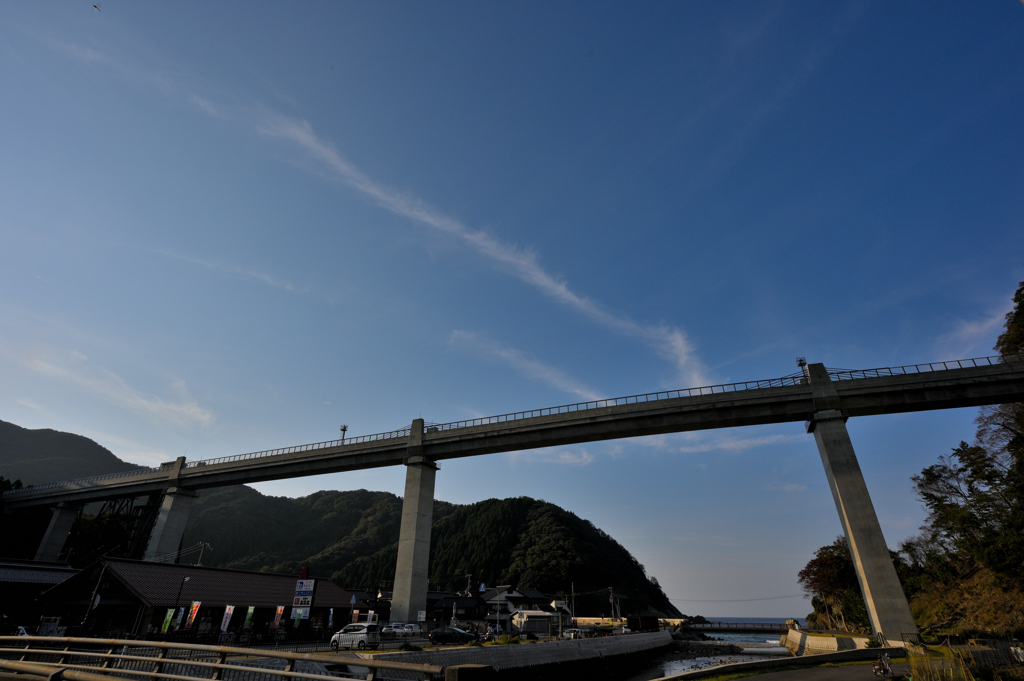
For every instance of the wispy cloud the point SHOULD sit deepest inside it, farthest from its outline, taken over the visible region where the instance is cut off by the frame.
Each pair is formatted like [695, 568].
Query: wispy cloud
[530, 368]
[128, 450]
[574, 457]
[672, 343]
[26, 402]
[739, 444]
[668, 341]
[77, 370]
[972, 336]
[238, 271]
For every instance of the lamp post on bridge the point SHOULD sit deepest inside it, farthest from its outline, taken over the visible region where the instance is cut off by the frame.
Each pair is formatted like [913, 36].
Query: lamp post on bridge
[344, 429]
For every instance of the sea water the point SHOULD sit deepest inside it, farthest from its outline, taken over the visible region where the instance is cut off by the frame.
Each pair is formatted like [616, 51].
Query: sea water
[755, 647]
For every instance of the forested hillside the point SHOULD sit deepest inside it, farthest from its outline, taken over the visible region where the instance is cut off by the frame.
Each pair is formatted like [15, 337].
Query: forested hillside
[965, 570]
[40, 456]
[353, 536]
[350, 536]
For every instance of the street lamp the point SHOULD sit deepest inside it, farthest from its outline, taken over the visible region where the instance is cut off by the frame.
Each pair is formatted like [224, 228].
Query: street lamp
[344, 429]
[177, 599]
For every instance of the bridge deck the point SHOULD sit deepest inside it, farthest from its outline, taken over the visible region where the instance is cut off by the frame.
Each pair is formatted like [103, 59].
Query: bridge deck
[943, 385]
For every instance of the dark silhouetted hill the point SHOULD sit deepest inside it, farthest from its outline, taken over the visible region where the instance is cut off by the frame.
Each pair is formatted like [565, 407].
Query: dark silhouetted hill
[353, 536]
[40, 456]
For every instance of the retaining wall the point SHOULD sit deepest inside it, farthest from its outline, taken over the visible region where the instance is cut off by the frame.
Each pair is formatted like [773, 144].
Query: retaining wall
[809, 661]
[515, 656]
[802, 643]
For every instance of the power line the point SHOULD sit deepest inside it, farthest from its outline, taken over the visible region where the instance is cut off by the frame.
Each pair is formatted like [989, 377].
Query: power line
[733, 600]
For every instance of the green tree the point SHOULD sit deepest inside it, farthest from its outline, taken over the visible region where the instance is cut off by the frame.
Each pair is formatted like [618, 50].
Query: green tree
[831, 581]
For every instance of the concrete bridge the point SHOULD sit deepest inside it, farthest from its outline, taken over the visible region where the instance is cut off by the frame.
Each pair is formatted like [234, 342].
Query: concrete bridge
[776, 628]
[822, 398]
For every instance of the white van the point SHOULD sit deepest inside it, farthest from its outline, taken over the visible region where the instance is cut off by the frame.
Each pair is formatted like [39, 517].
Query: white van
[358, 636]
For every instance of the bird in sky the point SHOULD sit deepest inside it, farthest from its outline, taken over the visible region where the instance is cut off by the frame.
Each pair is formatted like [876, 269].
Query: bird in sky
[96, 7]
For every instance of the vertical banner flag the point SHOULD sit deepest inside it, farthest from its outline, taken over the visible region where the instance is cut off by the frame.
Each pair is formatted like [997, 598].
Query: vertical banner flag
[226, 620]
[193, 611]
[330, 618]
[167, 621]
[248, 617]
[278, 616]
[355, 615]
[177, 620]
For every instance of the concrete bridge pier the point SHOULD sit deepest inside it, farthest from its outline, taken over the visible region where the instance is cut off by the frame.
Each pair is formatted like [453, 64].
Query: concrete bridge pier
[170, 523]
[64, 515]
[169, 528]
[886, 603]
[411, 571]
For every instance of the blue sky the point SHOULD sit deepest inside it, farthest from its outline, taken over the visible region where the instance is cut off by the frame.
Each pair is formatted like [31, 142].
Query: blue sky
[235, 226]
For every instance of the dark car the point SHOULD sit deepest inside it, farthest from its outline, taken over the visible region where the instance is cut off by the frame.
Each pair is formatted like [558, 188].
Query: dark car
[450, 635]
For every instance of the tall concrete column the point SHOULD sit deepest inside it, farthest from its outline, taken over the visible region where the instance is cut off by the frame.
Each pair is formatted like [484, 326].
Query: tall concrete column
[57, 532]
[886, 603]
[170, 523]
[411, 571]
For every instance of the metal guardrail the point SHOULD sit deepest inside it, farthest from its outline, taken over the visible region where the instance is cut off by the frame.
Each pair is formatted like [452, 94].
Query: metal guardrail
[88, 659]
[847, 375]
[791, 380]
[764, 626]
[95, 478]
[390, 435]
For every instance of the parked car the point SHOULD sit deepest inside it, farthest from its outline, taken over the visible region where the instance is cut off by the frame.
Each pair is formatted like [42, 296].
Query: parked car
[360, 636]
[450, 635]
[572, 633]
[411, 630]
[391, 630]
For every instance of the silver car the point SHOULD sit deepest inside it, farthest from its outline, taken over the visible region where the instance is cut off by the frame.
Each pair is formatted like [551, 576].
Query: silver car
[356, 636]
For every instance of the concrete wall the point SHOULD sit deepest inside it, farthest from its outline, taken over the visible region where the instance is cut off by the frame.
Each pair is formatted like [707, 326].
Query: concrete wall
[802, 643]
[515, 656]
[768, 665]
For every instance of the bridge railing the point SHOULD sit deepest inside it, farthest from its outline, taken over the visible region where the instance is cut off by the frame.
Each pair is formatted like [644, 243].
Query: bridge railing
[791, 380]
[89, 659]
[794, 379]
[390, 435]
[851, 374]
[797, 378]
[96, 478]
[764, 626]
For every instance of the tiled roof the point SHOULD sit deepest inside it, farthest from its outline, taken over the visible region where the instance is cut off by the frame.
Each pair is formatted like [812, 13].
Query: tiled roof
[533, 594]
[458, 601]
[33, 572]
[158, 583]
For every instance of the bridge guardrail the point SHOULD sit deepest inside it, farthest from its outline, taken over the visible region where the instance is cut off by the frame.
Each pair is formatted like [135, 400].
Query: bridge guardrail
[89, 659]
[794, 379]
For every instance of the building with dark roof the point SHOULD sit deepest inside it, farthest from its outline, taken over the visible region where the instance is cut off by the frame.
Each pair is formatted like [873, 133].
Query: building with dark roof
[21, 582]
[461, 608]
[117, 597]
